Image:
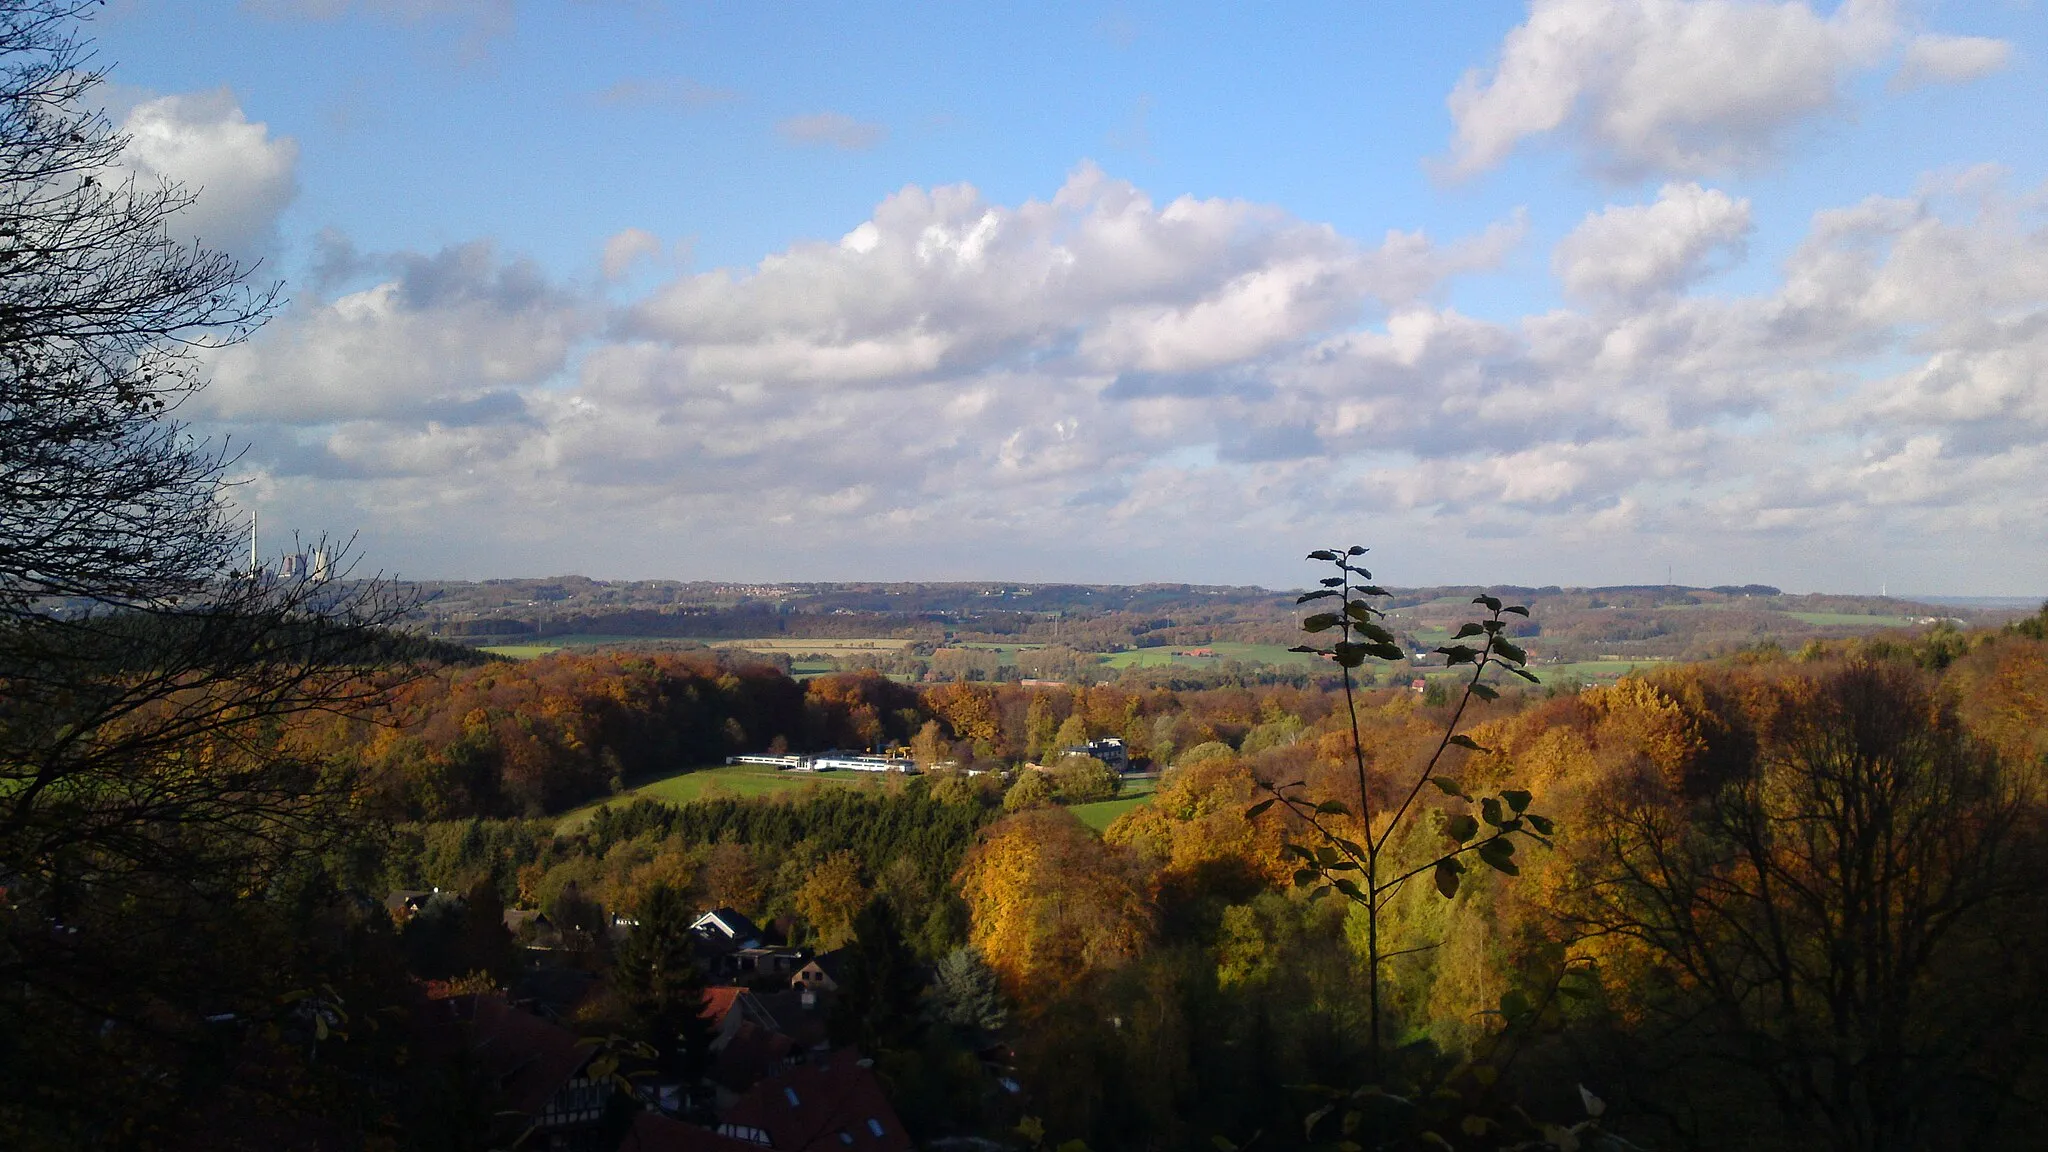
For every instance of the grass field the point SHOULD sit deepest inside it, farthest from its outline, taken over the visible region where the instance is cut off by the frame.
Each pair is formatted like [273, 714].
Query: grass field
[1224, 649]
[1100, 814]
[520, 651]
[800, 646]
[1827, 619]
[722, 780]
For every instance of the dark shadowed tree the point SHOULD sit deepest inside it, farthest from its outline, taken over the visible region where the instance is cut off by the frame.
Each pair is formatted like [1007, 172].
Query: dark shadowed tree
[878, 985]
[655, 971]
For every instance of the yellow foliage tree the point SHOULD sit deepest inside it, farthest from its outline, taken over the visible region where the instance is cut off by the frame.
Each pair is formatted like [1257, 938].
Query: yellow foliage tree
[1049, 903]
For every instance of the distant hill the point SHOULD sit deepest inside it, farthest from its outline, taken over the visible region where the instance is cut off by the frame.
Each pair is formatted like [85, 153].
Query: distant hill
[1621, 622]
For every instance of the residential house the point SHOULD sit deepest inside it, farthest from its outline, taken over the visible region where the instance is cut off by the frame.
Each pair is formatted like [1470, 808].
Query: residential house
[538, 1069]
[822, 974]
[829, 1103]
[725, 930]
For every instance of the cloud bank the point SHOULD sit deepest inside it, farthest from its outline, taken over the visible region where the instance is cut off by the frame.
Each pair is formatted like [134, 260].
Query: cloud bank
[1097, 377]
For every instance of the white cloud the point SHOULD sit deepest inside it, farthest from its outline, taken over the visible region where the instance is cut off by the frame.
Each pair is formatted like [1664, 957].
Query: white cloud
[962, 386]
[1628, 251]
[1684, 87]
[835, 129]
[627, 248]
[451, 338]
[1937, 59]
[241, 176]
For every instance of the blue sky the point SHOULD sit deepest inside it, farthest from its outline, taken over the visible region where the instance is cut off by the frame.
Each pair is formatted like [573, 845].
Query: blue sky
[1563, 292]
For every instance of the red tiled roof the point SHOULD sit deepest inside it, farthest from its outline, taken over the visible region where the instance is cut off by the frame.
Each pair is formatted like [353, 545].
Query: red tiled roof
[830, 1104]
[754, 1052]
[530, 1057]
[720, 1001]
[653, 1132]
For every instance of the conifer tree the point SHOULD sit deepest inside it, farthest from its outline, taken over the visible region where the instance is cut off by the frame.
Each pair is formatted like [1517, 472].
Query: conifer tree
[656, 972]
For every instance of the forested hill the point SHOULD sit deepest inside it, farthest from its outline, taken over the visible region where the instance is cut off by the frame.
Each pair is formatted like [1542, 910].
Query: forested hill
[1631, 621]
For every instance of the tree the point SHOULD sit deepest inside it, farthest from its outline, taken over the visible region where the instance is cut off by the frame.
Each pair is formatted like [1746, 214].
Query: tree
[151, 794]
[831, 896]
[1348, 852]
[1048, 902]
[1848, 912]
[656, 973]
[1082, 779]
[878, 986]
[1033, 789]
[965, 993]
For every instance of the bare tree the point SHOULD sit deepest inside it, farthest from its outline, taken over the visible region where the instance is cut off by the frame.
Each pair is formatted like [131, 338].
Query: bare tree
[150, 796]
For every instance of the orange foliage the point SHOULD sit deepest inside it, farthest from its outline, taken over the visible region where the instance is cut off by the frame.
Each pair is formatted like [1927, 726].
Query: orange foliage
[1048, 903]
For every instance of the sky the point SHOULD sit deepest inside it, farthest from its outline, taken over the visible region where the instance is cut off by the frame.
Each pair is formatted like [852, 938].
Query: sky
[1572, 292]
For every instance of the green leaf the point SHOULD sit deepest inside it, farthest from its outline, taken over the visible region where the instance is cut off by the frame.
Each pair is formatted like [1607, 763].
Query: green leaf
[1468, 629]
[1436, 1141]
[1499, 855]
[1517, 609]
[1448, 786]
[1305, 597]
[1317, 894]
[1541, 824]
[1320, 622]
[1514, 1004]
[1348, 654]
[1222, 1143]
[1464, 741]
[1374, 632]
[1385, 650]
[1525, 674]
[1257, 810]
[1490, 603]
[1298, 852]
[1516, 798]
[1462, 827]
[1459, 654]
[1511, 651]
[1322, 554]
[1333, 581]
[1354, 550]
[1332, 808]
[1310, 648]
[1485, 692]
[1326, 855]
[1359, 610]
[1303, 877]
[1447, 873]
[1490, 809]
[1372, 589]
[1349, 888]
[1349, 846]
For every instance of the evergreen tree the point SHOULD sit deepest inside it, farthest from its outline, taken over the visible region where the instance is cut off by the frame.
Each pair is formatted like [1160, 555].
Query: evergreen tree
[878, 986]
[656, 972]
[965, 993]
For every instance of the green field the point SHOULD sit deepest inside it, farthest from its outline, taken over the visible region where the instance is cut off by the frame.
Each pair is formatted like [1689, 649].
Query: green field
[1100, 814]
[1224, 649]
[520, 651]
[799, 646]
[722, 780]
[1828, 619]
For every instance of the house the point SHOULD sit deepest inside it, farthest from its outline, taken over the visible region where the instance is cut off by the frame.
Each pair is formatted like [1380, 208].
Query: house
[728, 1008]
[830, 1103]
[1109, 749]
[822, 974]
[725, 930]
[403, 903]
[538, 1069]
[654, 1132]
[748, 963]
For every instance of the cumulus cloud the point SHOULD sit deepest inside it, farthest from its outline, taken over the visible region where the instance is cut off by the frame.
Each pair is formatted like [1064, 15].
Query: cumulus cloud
[242, 176]
[1629, 251]
[834, 129]
[453, 337]
[1937, 59]
[628, 248]
[960, 385]
[1684, 87]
